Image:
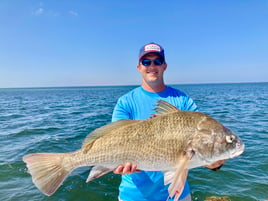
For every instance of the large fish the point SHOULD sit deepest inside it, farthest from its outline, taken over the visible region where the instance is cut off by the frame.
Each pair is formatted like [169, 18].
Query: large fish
[172, 141]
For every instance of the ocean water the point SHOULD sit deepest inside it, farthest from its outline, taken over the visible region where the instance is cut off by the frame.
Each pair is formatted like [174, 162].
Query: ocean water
[58, 119]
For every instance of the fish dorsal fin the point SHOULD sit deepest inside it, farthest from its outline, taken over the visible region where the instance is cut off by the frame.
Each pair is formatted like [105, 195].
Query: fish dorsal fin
[99, 132]
[163, 107]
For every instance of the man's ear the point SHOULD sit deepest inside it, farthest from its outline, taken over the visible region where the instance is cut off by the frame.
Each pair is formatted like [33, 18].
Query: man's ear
[139, 67]
[165, 66]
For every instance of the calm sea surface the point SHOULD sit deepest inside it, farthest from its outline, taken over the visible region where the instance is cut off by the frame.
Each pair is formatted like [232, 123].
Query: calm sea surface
[58, 119]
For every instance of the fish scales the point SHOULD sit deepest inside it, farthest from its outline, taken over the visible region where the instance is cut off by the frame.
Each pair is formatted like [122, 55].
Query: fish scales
[130, 144]
[120, 147]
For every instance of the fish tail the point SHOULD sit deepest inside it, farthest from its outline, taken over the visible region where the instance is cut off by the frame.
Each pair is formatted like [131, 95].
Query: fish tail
[48, 170]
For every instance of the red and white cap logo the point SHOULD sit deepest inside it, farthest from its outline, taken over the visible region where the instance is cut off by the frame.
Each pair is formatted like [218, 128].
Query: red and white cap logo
[152, 47]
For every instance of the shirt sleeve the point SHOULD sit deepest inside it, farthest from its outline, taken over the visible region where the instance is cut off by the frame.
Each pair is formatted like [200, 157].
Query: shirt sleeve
[120, 111]
[189, 104]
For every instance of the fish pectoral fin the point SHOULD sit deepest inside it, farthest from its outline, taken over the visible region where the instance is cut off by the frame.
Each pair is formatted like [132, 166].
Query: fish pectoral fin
[96, 172]
[179, 178]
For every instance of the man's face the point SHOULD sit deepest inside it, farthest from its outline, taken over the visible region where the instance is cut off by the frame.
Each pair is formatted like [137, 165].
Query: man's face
[152, 73]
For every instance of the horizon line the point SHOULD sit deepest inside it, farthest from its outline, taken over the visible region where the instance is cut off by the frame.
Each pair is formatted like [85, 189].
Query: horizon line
[122, 85]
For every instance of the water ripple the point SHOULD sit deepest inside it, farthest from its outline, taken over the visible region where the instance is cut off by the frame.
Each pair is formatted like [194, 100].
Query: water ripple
[58, 120]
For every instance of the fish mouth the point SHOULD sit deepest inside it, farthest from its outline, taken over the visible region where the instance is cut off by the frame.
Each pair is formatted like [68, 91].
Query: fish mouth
[240, 147]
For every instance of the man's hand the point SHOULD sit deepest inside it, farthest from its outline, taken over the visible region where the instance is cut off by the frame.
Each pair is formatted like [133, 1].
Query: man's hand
[216, 165]
[128, 168]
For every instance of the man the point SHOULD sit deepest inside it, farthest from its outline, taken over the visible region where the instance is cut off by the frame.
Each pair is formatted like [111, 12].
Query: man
[139, 104]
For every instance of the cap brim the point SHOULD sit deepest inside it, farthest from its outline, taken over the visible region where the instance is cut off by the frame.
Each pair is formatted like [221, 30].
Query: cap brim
[145, 53]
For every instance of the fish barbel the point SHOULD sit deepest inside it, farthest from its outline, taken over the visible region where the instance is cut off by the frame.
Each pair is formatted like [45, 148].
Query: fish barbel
[172, 141]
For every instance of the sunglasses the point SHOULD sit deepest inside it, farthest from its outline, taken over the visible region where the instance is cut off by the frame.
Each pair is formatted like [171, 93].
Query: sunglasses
[148, 62]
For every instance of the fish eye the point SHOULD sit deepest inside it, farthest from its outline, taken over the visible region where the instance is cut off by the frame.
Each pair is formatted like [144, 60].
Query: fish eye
[230, 138]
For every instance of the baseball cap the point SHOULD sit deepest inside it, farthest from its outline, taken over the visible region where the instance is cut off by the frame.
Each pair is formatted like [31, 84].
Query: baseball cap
[151, 48]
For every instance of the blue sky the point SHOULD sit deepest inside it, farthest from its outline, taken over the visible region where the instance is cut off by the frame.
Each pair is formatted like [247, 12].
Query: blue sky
[88, 42]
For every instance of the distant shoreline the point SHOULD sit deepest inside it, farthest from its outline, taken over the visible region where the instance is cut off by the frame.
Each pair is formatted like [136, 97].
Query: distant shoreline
[129, 85]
